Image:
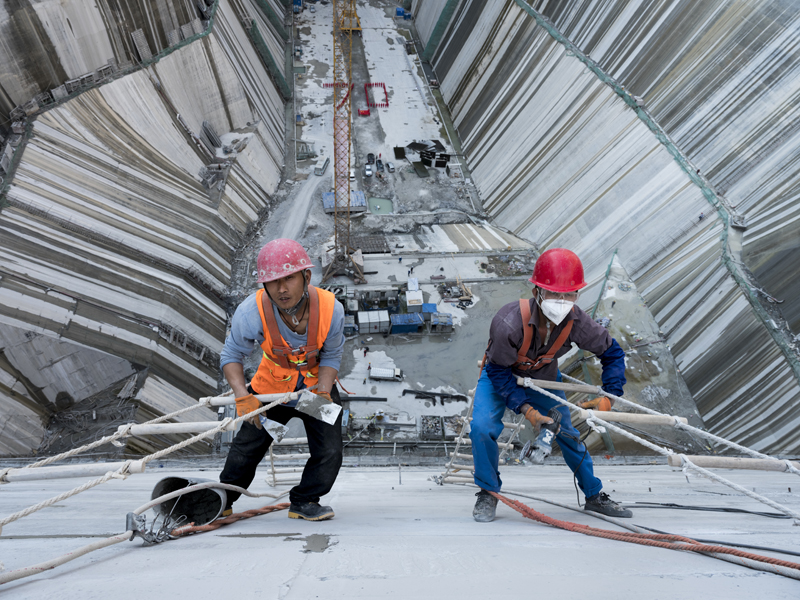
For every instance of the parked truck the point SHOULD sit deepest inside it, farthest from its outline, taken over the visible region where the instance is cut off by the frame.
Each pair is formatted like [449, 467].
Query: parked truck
[384, 374]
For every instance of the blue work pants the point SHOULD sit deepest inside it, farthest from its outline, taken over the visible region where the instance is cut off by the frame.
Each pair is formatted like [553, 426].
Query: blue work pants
[487, 425]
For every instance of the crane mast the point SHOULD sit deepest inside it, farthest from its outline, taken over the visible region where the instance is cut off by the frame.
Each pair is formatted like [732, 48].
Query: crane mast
[345, 22]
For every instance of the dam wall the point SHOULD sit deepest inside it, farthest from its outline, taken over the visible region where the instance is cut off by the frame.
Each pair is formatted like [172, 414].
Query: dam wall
[603, 126]
[121, 215]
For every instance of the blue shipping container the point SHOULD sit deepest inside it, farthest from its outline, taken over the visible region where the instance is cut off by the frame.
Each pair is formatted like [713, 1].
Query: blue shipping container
[406, 323]
[400, 12]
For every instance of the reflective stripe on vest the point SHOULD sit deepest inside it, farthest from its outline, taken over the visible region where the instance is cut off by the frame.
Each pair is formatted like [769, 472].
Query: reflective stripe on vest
[523, 362]
[280, 363]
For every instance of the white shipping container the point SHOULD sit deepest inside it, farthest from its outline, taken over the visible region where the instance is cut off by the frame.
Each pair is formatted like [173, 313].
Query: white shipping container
[383, 321]
[414, 301]
[374, 322]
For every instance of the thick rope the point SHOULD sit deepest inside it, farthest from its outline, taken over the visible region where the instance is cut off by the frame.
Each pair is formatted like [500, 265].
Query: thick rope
[102, 441]
[247, 514]
[51, 564]
[122, 472]
[204, 486]
[128, 535]
[686, 427]
[658, 540]
[595, 420]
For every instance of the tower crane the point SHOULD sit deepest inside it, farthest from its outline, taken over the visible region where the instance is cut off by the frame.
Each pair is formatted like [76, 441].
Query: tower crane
[345, 22]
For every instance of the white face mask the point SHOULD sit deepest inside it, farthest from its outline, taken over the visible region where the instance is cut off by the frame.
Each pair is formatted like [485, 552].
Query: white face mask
[556, 310]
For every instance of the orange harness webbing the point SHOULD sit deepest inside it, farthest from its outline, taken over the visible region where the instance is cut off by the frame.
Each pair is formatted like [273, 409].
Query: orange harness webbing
[523, 362]
[280, 350]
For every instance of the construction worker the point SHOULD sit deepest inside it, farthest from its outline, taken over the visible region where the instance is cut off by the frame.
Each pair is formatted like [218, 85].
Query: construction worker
[300, 331]
[525, 339]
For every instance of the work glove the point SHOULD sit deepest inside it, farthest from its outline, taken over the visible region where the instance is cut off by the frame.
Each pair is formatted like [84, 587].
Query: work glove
[325, 395]
[600, 403]
[536, 418]
[247, 404]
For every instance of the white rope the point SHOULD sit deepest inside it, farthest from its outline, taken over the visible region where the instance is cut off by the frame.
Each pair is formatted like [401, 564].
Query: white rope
[119, 473]
[109, 439]
[122, 537]
[122, 472]
[597, 424]
[705, 434]
[51, 564]
[685, 462]
[595, 420]
[204, 486]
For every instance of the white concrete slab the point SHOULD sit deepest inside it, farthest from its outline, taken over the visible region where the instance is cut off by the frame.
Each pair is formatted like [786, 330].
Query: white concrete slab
[415, 539]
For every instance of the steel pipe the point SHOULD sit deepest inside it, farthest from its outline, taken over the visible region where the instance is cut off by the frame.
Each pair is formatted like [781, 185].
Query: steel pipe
[631, 418]
[79, 470]
[733, 462]
[229, 399]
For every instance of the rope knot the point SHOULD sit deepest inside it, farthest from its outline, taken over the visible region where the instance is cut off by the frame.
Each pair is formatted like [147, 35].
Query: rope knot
[123, 472]
[789, 467]
[122, 431]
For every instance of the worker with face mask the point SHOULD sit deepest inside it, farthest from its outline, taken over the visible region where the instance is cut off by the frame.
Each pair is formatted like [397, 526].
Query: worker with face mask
[299, 329]
[525, 339]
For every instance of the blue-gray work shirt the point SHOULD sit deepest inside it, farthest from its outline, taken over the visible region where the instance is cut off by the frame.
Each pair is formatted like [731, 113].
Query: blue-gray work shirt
[247, 331]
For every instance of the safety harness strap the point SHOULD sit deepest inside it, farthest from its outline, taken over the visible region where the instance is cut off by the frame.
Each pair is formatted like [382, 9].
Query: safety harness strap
[523, 362]
[280, 349]
[311, 349]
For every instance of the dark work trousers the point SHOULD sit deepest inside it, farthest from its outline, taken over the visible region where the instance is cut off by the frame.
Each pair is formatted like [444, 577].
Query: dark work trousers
[251, 445]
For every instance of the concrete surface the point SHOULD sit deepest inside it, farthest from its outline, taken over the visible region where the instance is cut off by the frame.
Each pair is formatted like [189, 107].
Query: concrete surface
[393, 540]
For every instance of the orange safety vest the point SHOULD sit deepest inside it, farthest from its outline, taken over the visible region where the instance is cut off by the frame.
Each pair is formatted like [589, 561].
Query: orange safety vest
[281, 364]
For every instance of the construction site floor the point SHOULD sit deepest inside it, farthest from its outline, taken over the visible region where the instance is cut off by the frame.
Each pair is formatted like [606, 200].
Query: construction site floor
[413, 539]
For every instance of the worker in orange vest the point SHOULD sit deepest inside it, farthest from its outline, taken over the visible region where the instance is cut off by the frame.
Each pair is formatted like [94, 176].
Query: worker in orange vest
[526, 339]
[300, 329]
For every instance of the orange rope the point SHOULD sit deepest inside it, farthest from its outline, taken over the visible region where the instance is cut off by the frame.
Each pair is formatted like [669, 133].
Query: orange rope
[192, 528]
[657, 540]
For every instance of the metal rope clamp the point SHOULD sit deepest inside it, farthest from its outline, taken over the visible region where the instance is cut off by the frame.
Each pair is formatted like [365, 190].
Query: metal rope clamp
[197, 507]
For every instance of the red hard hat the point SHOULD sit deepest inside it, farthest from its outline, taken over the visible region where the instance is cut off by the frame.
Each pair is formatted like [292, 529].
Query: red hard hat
[280, 258]
[558, 270]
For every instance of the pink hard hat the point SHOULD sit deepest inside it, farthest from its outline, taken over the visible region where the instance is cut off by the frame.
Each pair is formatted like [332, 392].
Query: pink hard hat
[280, 258]
[558, 270]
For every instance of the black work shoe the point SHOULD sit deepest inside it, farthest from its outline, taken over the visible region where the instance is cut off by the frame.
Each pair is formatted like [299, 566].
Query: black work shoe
[310, 511]
[601, 503]
[485, 507]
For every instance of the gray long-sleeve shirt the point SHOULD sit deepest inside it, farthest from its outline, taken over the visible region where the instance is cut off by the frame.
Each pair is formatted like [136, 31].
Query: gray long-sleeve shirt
[247, 331]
